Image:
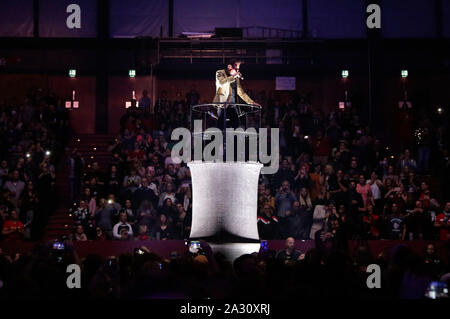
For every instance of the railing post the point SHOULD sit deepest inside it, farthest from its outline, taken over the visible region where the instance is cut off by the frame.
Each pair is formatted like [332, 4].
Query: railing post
[225, 132]
[190, 130]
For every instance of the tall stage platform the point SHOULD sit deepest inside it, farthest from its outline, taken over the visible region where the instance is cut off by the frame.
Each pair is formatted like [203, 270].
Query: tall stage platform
[225, 199]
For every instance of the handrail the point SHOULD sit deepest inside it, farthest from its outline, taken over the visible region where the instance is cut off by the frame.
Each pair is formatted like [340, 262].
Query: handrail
[248, 115]
[221, 105]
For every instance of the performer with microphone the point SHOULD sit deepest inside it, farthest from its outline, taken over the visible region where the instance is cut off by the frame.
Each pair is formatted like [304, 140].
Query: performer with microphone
[229, 90]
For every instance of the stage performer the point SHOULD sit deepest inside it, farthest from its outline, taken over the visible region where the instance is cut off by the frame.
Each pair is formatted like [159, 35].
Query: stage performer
[229, 90]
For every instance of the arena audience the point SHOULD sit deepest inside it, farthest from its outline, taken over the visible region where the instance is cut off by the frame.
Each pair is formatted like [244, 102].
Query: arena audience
[319, 272]
[328, 160]
[33, 135]
[336, 182]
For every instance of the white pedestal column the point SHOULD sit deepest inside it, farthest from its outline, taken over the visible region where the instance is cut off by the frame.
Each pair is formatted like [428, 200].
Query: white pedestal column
[225, 198]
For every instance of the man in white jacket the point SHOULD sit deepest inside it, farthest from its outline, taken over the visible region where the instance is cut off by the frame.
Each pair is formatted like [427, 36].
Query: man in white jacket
[122, 227]
[229, 90]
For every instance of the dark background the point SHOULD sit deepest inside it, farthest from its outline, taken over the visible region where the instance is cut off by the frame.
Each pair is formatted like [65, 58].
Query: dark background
[312, 40]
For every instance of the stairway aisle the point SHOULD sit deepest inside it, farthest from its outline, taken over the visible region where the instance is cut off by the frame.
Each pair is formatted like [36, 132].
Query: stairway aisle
[93, 148]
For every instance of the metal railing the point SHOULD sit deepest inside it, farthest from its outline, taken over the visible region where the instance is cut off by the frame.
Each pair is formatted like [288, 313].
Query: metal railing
[218, 117]
[271, 33]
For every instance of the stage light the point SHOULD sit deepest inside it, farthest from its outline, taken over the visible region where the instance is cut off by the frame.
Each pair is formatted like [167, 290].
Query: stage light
[344, 74]
[28, 155]
[440, 110]
[47, 153]
[404, 73]
[131, 73]
[72, 73]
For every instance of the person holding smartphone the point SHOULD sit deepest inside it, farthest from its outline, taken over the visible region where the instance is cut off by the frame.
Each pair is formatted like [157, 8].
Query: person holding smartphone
[284, 199]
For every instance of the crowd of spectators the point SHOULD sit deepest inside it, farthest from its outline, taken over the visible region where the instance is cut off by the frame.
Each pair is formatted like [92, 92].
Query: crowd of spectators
[33, 134]
[142, 194]
[204, 274]
[336, 181]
